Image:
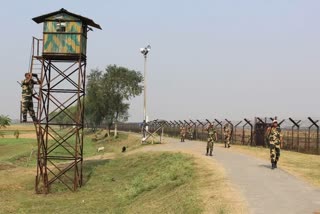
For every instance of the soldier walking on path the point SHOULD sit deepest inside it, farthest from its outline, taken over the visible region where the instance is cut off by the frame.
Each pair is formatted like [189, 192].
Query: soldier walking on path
[27, 93]
[190, 132]
[182, 133]
[212, 136]
[227, 131]
[275, 139]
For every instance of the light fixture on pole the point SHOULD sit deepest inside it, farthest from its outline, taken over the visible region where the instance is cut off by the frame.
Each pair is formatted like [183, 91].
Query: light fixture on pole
[145, 52]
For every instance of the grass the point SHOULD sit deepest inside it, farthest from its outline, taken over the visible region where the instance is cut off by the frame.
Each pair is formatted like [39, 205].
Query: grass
[111, 144]
[115, 145]
[25, 131]
[17, 151]
[155, 182]
[11, 132]
[140, 183]
[11, 147]
[20, 127]
[305, 166]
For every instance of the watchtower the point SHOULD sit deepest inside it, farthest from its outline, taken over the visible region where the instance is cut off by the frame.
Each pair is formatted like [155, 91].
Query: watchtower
[62, 55]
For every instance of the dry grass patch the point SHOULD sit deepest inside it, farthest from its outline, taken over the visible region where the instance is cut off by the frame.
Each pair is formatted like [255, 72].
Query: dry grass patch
[20, 127]
[23, 135]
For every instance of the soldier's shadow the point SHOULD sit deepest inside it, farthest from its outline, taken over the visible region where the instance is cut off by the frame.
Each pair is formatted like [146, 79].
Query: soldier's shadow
[265, 166]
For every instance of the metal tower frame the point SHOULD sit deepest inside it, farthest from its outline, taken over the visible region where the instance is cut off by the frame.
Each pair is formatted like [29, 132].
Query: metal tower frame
[60, 155]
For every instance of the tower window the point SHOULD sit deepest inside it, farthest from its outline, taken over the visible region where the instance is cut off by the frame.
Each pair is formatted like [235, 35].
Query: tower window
[61, 27]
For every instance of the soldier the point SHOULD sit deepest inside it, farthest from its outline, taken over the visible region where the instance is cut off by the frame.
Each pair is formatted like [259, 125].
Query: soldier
[227, 135]
[275, 139]
[190, 131]
[27, 92]
[182, 133]
[212, 136]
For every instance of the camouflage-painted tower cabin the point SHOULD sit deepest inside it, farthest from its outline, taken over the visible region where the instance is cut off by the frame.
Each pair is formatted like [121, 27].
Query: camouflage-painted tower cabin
[65, 34]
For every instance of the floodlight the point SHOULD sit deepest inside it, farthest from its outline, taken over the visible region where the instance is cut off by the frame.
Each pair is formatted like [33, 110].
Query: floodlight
[145, 50]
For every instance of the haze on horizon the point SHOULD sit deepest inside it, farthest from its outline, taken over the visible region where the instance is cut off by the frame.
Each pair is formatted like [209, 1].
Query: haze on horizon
[209, 59]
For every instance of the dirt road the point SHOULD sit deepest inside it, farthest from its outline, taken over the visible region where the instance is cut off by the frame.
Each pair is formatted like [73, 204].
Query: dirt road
[266, 190]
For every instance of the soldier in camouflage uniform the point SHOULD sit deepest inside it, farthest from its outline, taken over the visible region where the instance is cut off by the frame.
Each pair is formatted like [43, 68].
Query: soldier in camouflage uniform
[275, 139]
[227, 135]
[27, 92]
[190, 132]
[212, 136]
[182, 133]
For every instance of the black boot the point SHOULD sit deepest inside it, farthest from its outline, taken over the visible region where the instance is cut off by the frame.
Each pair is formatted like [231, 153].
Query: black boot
[229, 146]
[275, 164]
[207, 152]
[210, 152]
[24, 120]
[272, 165]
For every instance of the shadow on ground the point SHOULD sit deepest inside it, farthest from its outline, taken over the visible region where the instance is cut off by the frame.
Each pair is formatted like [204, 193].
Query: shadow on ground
[265, 166]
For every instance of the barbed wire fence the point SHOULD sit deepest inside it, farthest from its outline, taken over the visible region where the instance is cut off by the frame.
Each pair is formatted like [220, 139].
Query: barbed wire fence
[298, 135]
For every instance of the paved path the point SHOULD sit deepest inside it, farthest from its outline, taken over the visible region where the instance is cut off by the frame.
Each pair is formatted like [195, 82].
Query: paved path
[267, 191]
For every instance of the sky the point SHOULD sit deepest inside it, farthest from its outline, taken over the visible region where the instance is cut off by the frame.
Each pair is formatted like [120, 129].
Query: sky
[209, 59]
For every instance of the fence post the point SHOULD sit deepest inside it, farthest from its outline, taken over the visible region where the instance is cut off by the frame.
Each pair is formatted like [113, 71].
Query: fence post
[296, 124]
[177, 131]
[219, 123]
[202, 125]
[243, 132]
[316, 125]
[169, 123]
[235, 131]
[260, 133]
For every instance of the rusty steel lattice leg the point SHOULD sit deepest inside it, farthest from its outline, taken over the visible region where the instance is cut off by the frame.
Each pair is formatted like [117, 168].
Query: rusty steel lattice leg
[60, 152]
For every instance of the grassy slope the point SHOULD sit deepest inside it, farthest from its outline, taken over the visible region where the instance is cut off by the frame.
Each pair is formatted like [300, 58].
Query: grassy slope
[158, 183]
[125, 185]
[305, 166]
